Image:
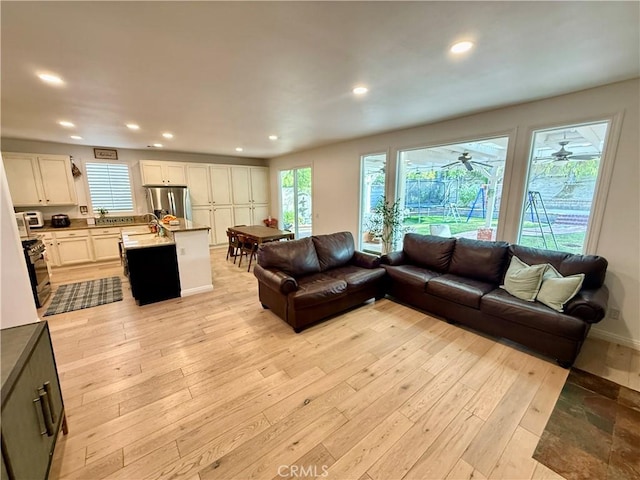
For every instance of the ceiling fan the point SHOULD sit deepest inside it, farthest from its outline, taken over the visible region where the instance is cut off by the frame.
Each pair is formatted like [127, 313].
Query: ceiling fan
[465, 159]
[564, 154]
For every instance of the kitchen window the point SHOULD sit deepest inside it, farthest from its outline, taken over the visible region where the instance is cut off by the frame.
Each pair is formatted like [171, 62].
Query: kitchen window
[109, 187]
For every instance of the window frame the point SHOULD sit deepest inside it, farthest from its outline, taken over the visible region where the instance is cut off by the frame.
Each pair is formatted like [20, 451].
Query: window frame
[131, 186]
[605, 172]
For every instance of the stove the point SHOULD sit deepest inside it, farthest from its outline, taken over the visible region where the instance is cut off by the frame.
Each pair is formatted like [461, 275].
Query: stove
[37, 268]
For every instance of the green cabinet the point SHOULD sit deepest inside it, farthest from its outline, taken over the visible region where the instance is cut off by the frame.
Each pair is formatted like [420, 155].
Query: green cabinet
[32, 406]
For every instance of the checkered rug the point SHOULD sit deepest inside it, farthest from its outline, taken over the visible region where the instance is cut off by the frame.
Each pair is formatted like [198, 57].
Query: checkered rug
[76, 296]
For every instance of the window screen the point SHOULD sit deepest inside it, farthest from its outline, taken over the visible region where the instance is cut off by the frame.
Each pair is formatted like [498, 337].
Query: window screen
[109, 186]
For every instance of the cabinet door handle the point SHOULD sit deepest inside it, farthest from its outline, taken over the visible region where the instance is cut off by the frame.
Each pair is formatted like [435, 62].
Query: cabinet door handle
[37, 403]
[47, 389]
[46, 411]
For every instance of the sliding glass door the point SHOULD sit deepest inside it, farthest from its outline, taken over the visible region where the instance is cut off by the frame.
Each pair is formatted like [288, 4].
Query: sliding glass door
[372, 190]
[295, 201]
[564, 168]
[453, 190]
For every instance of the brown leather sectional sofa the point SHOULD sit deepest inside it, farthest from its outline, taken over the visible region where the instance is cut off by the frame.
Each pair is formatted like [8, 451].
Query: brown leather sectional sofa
[459, 279]
[306, 280]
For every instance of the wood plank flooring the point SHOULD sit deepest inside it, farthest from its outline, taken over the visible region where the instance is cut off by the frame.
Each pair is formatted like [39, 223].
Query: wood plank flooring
[214, 387]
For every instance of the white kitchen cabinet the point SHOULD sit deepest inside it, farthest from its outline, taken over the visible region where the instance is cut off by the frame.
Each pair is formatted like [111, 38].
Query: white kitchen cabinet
[39, 180]
[51, 246]
[198, 183]
[250, 194]
[74, 247]
[163, 173]
[220, 184]
[203, 215]
[222, 219]
[105, 243]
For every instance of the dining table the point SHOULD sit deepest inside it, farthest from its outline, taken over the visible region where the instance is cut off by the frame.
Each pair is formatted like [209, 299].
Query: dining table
[261, 234]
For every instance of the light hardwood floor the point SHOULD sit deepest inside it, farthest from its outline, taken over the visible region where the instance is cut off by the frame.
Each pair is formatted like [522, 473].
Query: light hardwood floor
[213, 386]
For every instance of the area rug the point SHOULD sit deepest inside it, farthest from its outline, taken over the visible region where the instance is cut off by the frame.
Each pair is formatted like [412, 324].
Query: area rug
[593, 431]
[76, 296]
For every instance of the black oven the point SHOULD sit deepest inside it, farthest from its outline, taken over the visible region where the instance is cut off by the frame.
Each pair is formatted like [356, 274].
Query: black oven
[38, 272]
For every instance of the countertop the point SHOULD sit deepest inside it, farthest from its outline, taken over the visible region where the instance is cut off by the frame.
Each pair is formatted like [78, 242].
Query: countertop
[135, 241]
[184, 226]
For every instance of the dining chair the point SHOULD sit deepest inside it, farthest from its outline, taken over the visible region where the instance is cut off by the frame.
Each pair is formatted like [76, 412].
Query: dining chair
[234, 245]
[248, 248]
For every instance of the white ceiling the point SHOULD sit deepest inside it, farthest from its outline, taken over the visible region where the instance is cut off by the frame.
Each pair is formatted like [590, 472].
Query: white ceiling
[225, 74]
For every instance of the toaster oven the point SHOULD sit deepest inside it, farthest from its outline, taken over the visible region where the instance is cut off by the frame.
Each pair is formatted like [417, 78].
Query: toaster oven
[34, 219]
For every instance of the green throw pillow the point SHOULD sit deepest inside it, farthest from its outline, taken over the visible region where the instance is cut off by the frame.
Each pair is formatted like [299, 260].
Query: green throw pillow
[523, 281]
[557, 290]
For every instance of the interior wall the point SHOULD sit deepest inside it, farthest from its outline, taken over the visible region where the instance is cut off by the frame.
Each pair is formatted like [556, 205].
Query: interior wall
[336, 180]
[17, 305]
[82, 154]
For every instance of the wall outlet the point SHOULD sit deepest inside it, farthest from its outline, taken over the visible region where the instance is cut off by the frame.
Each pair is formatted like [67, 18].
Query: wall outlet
[614, 313]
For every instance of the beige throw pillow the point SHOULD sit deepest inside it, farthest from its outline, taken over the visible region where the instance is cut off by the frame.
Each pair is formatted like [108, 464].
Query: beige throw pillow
[523, 281]
[557, 290]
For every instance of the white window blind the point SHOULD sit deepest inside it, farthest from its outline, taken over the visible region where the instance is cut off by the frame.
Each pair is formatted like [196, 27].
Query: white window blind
[109, 186]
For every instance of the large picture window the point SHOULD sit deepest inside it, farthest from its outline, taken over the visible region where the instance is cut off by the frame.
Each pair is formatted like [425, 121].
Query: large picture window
[295, 199]
[564, 168]
[372, 191]
[109, 186]
[453, 190]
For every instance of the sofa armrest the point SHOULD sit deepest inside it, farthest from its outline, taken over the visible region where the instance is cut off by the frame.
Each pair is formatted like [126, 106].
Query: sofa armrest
[589, 305]
[365, 260]
[394, 258]
[276, 280]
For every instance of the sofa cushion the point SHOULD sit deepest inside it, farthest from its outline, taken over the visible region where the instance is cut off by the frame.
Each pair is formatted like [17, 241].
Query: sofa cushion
[523, 281]
[428, 251]
[593, 266]
[479, 260]
[317, 289]
[410, 275]
[296, 258]
[334, 250]
[532, 314]
[357, 277]
[459, 289]
[557, 290]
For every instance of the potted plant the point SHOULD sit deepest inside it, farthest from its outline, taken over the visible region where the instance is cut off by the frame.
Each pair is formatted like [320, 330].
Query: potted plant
[372, 227]
[103, 212]
[392, 218]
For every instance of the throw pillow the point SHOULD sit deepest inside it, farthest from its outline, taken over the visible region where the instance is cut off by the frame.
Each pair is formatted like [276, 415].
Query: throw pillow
[557, 290]
[523, 281]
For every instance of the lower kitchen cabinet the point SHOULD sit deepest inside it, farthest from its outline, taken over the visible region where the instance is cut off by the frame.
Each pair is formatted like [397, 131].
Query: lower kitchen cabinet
[32, 407]
[105, 243]
[72, 250]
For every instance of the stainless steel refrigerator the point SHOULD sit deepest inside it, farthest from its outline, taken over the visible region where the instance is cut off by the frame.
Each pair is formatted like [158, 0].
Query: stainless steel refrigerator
[169, 201]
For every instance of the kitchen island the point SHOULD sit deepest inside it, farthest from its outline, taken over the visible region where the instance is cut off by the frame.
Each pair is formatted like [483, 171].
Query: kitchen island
[174, 263]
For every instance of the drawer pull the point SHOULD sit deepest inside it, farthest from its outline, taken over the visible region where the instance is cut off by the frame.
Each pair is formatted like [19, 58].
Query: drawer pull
[37, 403]
[46, 411]
[47, 389]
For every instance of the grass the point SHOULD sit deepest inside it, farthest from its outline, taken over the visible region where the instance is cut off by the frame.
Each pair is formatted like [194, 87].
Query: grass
[567, 242]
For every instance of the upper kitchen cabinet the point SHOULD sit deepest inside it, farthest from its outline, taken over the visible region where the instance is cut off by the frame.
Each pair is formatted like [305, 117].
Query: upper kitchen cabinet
[209, 184]
[163, 173]
[250, 185]
[39, 180]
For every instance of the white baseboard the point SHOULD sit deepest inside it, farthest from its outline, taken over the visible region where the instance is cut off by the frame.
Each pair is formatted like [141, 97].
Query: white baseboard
[614, 338]
[194, 291]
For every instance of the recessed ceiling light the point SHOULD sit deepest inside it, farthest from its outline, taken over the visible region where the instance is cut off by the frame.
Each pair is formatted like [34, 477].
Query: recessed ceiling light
[461, 47]
[167, 135]
[133, 126]
[157, 145]
[76, 137]
[273, 137]
[50, 78]
[360, 90]
[239, 149]
[64, 123]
